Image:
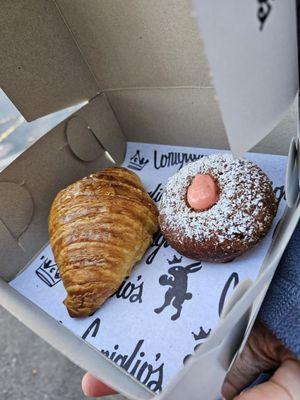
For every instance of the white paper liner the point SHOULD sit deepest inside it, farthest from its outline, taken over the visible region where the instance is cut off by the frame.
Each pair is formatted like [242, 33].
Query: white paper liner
[150, 345]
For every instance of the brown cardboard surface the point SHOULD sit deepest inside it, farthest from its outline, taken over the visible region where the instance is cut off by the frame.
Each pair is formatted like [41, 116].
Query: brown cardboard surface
[180, 116]
[137, 43]
[75, 128]
[187, 117]
[41, 68]
[39, 173]
[151, 48]
[278, 140]
[105, 127]
[12, 195]
[64, 52]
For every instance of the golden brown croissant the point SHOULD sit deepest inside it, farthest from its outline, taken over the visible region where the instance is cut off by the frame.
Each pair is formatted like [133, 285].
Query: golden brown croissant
[99, 228]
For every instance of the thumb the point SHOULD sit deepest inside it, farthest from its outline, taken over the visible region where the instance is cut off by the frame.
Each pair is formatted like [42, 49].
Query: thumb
[284, 385]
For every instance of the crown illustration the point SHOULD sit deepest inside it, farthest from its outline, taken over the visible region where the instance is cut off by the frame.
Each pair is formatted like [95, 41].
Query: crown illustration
[48, 272]
[175, 260]
[202, 334]
[137, 162]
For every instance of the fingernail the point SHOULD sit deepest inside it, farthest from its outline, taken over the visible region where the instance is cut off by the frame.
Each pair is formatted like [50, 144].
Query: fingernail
[84, 386]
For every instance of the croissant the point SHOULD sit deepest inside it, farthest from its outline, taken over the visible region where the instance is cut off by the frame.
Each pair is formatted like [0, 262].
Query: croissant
[99, 227]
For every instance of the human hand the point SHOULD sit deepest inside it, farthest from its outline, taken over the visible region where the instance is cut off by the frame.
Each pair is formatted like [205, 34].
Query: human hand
[92, 387]
[264, 352]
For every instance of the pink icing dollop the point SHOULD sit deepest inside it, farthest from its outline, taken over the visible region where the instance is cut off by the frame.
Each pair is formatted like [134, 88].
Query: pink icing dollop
[202, 192]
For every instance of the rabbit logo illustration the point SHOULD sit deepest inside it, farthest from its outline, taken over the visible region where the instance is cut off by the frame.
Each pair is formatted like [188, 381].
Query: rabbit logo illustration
[178, 281]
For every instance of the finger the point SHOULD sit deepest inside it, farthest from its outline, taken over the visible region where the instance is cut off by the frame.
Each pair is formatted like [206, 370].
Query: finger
[284, 385]
[92, 387]
[262, 352]
[244, 371]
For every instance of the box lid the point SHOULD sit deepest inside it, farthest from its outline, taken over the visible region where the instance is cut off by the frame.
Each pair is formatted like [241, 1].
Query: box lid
[58, 53]
[41, 67]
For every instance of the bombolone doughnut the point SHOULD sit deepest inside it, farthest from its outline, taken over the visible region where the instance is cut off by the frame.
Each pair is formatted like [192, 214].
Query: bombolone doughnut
[240, 208]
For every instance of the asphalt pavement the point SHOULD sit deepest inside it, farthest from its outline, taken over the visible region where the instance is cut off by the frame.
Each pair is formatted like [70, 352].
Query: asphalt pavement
[30, 369]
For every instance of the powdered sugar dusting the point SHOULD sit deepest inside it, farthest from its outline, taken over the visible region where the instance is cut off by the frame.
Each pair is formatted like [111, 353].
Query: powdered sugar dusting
[236, 215]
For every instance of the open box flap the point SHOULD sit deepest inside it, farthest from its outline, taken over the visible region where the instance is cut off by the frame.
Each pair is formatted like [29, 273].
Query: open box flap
[138, 43]
[63, 52]
[186, 117]
[252, 52]
[41, 67]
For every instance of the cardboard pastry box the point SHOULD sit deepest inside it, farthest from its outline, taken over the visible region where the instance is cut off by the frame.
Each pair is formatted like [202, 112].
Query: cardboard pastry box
[141, 68]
